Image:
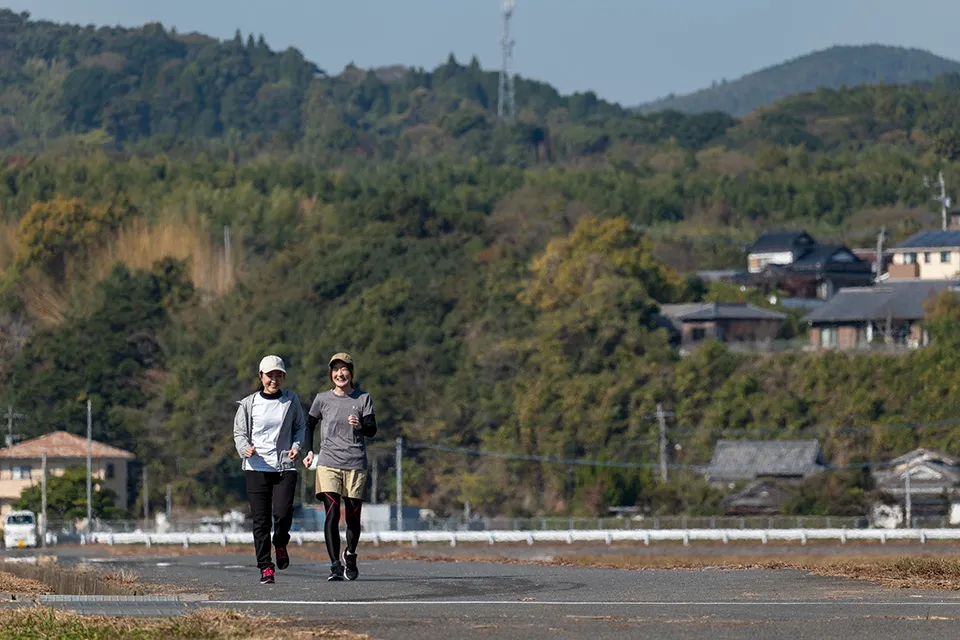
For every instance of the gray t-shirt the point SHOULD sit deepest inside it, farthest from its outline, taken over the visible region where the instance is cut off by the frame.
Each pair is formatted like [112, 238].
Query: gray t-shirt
[341, 446]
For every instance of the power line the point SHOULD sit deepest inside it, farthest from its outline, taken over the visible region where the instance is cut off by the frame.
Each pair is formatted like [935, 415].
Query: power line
[815, 429]
[616, 464]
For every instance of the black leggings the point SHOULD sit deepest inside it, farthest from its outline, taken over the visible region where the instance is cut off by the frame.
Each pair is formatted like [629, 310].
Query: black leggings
[331, 523]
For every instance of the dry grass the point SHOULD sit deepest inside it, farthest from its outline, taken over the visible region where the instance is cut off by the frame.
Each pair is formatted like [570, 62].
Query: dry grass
[9, 244]
[44, 300]
[10, 583]
[213, 624]
[82, 580]
[928, 571]
[901, 573]
[139, 245]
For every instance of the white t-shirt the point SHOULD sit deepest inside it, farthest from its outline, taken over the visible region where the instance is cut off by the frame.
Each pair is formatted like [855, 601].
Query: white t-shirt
[267, 419]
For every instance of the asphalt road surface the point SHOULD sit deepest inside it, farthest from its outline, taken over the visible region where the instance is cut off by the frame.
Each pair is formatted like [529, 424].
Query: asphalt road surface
[419, 600]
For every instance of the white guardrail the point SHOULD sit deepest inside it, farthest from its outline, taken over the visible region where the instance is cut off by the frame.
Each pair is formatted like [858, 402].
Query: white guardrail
[607, 536]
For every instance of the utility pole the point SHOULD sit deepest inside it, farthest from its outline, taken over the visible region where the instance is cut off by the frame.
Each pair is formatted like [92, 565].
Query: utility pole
[169, 502]
[399, 483]
[941, 197]
[43, 496]
[374, 476]
[880, 238]
[662, 420]
[12, 437]
[227, 258]
[908, 516]
[146, 500]
[89, 466]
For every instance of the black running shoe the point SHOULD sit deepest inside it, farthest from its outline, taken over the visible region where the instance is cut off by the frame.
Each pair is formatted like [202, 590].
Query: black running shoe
[336, 572]
[350, 571]
[267, 576]
[283, 558]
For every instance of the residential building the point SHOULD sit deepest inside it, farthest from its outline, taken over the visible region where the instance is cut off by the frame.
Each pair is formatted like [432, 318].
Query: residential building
[928, 255]
[722, 321]
[20, 464]
[796, 263]
[934, 484]
[888, 313]
[760, 497]
[735, 460]
[778, 248]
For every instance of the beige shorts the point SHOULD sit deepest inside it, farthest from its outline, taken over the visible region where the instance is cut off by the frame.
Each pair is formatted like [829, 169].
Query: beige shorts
[347, 482]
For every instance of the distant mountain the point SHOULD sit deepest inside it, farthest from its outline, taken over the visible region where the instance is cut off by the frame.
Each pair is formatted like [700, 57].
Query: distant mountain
[832, 68]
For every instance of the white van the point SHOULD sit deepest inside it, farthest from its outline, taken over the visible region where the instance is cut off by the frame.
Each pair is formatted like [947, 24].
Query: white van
[20, 529]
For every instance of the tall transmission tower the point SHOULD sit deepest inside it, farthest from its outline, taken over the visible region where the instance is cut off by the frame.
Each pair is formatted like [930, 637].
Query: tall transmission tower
[506, 103]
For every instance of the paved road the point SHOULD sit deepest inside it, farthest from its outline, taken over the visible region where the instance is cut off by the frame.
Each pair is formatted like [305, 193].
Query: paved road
[444, 600]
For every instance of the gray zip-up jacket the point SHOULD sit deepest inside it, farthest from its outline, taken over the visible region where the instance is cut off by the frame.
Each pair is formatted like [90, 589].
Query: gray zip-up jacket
[292, 429]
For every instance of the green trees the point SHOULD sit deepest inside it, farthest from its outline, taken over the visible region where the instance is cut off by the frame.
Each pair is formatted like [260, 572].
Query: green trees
[498, 284]
[67, 497]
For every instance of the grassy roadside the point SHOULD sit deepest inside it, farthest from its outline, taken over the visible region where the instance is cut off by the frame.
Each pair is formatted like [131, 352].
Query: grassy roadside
[900, 572]
[10, 583]
[937, 567]
[208, 624]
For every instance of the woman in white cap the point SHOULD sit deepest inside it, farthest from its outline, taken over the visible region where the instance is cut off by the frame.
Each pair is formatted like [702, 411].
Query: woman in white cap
[268, 432]
[345, 414]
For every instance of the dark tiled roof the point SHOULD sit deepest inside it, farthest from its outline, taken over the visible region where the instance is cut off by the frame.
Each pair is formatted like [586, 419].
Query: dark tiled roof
[896, 299]
[823, 253]
[758, 496]
[705, 311]
[742, 459]
[781, 241]
[931, 472]
[933, 239]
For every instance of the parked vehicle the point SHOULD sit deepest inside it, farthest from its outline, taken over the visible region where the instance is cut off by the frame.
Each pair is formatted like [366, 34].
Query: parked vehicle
[20, 529]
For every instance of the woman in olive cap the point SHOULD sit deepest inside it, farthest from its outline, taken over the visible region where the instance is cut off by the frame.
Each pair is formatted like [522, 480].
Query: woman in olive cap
[345, 415]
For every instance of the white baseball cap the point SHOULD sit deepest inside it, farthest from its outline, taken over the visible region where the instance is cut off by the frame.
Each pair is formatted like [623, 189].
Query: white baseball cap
[272, 363]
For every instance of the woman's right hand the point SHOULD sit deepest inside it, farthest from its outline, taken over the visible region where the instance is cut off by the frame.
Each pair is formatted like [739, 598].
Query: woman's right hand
[308, 459]
[250, 451]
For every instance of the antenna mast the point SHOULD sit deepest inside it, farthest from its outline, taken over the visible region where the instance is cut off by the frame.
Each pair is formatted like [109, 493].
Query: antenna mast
[506, 103]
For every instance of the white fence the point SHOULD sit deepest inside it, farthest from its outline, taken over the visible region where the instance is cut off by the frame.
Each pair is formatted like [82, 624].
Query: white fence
[607, 536]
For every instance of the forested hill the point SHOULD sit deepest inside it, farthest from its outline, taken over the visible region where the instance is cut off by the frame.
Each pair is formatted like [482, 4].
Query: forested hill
[831, 68]
[123, 86]
[151, 90]
[173, 207]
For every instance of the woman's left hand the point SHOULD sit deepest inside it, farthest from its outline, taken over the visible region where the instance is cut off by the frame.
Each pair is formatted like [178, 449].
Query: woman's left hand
[354, 422]
[293, 454]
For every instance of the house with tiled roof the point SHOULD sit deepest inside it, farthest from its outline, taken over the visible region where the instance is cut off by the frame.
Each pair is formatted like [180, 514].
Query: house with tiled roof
[736, 460]
[927, 255]
[934, 484]
[20, 464]
[793, 261]
[691, 323]
[888, 313]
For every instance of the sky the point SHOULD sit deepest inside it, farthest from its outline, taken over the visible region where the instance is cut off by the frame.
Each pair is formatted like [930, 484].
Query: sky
[627, 51]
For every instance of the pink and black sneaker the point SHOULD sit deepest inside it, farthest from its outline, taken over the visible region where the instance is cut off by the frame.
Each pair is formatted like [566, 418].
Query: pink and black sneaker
[283, 558]
[267, 575]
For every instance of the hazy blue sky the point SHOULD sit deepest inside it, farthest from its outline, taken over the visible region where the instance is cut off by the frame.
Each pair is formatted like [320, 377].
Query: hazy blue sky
[625, 50]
